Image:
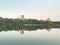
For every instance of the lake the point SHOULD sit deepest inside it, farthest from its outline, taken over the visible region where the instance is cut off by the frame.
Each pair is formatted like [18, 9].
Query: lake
[31, 37]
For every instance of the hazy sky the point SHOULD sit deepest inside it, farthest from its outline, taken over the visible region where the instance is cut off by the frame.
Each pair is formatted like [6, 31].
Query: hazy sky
[37, 9]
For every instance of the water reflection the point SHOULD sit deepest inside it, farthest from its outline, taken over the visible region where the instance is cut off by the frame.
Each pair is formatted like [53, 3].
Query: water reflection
[37, 36]
[22, 29]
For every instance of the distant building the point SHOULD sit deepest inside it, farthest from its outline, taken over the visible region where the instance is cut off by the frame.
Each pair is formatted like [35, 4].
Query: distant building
[21, 17]
[48, 19]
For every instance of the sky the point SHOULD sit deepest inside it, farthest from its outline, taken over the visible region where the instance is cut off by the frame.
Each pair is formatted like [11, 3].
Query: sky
[31, 9]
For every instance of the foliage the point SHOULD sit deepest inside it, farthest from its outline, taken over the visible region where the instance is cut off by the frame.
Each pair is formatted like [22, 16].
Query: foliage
[18, 23]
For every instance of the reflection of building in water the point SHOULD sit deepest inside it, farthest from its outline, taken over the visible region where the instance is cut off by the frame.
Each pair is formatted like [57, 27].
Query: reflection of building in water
[21, 31]
[48, 29]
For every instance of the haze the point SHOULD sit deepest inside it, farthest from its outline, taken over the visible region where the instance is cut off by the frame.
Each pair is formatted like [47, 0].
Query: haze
[35, 9]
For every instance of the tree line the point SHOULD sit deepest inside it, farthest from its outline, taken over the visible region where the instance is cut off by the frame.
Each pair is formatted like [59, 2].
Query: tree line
[19, 23]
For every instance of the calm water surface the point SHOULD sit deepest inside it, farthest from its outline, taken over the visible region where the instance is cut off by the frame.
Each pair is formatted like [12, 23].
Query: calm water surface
[38, 37]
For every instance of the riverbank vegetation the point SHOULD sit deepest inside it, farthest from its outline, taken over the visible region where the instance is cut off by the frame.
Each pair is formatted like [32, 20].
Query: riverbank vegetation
[19, 23]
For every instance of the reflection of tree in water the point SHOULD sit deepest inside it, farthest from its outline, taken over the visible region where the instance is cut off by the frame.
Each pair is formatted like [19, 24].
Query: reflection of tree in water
[21, 30]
